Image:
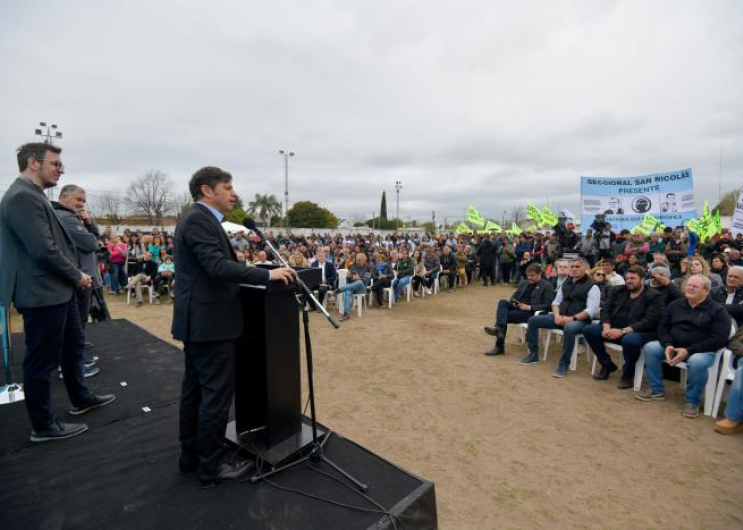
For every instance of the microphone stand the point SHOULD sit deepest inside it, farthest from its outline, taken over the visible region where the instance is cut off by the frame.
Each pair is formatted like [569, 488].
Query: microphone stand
[316, 452]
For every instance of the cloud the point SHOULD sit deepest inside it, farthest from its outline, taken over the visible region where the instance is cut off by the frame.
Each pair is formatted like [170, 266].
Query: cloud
[490, 103]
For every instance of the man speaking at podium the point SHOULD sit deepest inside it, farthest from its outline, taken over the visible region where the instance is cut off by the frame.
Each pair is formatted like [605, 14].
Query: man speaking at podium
[208, 318]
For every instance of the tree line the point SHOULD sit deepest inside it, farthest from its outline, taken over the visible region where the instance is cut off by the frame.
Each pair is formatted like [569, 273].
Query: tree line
[152, 197]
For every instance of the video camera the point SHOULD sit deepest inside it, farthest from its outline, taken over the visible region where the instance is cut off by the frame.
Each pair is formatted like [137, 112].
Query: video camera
[599, 223]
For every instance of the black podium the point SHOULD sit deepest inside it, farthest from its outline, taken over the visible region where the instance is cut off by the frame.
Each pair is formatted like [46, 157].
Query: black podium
[268, 401]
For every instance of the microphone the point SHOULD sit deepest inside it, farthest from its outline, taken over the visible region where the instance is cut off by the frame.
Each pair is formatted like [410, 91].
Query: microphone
[249, 223]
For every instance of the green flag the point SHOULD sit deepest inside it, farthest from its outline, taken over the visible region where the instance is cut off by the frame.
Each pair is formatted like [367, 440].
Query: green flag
[462, 229]
[474, 217]
[640, 230]
[515, 229]
[533, 213]
[493, 227]
[548, 217]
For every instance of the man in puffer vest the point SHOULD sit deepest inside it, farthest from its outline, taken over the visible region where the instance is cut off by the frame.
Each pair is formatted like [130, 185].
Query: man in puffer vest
[577, 302]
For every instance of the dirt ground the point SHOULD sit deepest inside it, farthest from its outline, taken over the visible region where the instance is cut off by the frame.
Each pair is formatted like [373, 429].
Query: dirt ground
[508, 446]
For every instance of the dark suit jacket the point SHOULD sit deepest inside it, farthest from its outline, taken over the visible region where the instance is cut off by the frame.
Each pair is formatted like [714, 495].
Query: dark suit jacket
[645, 315]
[541, 297]
[735, 310]
[207, 304]
[330, 274]
[38, 260]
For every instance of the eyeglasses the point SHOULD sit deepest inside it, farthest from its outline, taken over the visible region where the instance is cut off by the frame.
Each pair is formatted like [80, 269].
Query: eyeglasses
[59, 166]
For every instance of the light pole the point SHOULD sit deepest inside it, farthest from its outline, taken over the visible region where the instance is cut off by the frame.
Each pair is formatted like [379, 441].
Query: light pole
[51, 132]
[286, 155]
[398, 186]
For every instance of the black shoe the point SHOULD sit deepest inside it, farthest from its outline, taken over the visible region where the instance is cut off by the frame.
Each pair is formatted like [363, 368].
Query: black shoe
[497, 350]
[188, 463]
[90, 361]
[627, 381]
[492, 331]
[88, 344]
[58, 431]
[227, 471]
[606, 369]
[97, 401]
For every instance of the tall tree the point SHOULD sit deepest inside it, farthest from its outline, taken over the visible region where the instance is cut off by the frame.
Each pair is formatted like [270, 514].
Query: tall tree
[383, 207]
[180, 203]
[264, 206]
[306, 214]
[110, 204]
[149, 195]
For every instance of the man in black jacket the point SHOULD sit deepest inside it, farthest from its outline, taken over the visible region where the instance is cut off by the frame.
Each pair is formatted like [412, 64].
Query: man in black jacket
[448, 267]
[630, 314]
[532, 295]
[660, 280]
[691, 330]
[208, 318]
[329, 275]
[486, 253]
[731, 295]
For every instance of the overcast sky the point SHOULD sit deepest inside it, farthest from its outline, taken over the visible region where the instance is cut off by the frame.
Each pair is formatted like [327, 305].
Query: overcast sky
[485, 102]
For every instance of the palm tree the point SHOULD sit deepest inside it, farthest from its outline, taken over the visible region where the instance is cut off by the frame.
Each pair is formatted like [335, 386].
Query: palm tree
[264, 206]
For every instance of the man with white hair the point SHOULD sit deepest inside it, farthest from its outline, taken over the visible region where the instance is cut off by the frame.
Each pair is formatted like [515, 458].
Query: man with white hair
[731, 295]
[692, 330]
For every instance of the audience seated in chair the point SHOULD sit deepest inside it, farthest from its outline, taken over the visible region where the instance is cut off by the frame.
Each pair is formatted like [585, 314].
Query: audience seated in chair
[577, 302]
[532, 294]
[692, 330]
[630, 315]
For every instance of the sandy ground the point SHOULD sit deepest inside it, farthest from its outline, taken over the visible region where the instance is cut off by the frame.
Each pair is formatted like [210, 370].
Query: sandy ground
[508, 446]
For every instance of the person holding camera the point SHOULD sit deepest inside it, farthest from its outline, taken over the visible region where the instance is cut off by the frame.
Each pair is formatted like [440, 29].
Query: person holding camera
[533, 294]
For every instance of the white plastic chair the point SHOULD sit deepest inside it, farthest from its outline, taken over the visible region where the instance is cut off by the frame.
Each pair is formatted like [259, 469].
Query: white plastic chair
[727, 373]
[359, 302]
[639, 365]
[342, 274]
[390, 291]
[130, 290]
[709, 389]
[574, 355]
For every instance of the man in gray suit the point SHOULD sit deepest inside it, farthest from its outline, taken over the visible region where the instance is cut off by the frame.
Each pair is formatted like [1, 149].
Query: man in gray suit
[39, 273]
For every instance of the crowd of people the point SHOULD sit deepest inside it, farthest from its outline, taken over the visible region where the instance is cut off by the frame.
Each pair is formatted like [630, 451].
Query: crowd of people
[618, 289]
[662, 298]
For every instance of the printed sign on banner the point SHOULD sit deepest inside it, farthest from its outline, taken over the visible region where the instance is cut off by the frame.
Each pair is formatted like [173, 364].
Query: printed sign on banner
[625, 200]
[736, 226]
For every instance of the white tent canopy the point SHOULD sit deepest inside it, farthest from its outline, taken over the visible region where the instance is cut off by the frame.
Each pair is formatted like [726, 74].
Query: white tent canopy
[233, 228]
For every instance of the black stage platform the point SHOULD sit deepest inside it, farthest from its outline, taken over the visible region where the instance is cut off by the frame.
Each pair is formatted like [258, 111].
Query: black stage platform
[123, 473]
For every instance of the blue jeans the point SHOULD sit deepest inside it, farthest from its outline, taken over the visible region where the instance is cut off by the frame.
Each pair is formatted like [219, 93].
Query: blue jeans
[734, 409]
[697, 366]
[538, 322]
[349, 290]
[631, 346]
[117, 270]
[400, 285]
